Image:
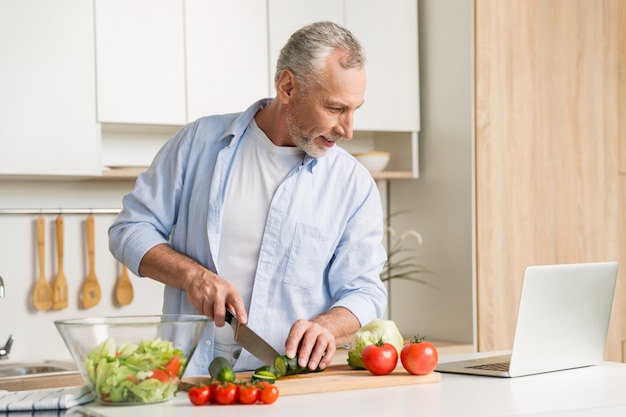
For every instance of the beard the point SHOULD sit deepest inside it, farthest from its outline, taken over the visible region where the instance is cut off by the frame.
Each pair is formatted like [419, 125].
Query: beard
[306, 142]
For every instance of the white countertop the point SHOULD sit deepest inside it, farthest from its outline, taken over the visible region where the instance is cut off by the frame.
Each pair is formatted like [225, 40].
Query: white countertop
[592, 391]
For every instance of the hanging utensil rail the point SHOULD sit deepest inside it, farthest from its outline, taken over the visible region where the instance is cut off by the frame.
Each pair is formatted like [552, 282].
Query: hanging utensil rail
[61, 211]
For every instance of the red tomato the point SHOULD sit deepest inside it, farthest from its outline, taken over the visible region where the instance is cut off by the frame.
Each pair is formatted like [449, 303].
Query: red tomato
[213, 388]
[247, 394]
[226, 393]
[160, 374]
[269, 394]
[419, 357]
[380, 358]
[260, 385]
[199, 395]
[173, 366]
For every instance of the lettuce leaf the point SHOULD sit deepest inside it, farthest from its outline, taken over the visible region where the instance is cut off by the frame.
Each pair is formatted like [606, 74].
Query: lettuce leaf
[125, 375]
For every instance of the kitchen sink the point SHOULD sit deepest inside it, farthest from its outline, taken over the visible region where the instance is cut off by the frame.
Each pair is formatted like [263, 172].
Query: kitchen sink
[35, 369]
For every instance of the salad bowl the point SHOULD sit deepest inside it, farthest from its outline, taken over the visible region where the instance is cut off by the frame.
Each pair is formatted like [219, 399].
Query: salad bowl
[132, 359]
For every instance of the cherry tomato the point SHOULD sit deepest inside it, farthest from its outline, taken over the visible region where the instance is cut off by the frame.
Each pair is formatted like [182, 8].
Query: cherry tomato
[247, 394]
[173, 366]
[160, 375]
[380, 358]
[260, 385]
[419, 357]
[269, 394]
[199, 395]
[226, 393]
[213, 389]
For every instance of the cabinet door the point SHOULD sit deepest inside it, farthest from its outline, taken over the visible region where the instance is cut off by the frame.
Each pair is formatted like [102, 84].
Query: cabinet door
[388, 31]
[226, 46]
[140, 61]
[47, 84]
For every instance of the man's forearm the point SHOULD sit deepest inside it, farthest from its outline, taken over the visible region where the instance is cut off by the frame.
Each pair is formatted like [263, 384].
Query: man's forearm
[164, 264]
[340, 322]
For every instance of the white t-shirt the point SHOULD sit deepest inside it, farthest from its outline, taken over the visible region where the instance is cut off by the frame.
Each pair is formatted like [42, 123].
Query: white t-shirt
[258, 169]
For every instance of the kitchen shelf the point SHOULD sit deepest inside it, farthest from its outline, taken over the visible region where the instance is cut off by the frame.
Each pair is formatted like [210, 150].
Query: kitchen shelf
[127, 173]
[131, 173]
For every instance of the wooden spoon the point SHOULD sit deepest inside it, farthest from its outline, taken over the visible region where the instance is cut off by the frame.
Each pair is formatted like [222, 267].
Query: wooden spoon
[59, 285]
[91, 288]
[42, 294]
[124, 288]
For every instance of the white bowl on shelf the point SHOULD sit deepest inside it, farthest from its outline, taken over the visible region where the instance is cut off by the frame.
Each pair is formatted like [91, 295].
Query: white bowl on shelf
[374, 161]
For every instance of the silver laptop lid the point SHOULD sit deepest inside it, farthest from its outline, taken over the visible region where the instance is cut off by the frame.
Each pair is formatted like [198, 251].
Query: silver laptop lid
[563, 317]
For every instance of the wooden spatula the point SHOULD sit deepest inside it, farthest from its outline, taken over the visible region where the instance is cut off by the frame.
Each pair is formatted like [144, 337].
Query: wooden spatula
[91, 288]
[123, 288]
[42, 294]
[59, 285]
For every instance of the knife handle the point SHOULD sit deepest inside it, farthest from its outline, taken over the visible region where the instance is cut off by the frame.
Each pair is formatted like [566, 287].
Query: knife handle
[229, 317]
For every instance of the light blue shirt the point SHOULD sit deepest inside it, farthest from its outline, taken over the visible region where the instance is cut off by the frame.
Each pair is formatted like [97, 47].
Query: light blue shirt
[323, 240]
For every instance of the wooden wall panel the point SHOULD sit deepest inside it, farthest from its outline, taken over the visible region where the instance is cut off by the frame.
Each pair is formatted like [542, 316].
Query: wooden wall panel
[546, 147]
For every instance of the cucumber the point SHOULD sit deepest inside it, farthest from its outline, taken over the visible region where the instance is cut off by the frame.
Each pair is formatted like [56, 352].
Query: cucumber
[267, 378]
[268, 369]
[287, 366]
[220, 369]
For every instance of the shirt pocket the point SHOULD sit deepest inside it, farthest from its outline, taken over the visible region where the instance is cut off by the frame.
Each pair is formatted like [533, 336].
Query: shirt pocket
[309, 255]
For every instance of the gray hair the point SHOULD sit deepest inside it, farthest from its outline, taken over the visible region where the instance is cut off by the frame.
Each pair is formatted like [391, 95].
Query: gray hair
[307, 49]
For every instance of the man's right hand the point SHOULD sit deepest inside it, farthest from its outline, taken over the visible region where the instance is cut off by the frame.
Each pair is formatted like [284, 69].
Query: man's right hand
[206, 291]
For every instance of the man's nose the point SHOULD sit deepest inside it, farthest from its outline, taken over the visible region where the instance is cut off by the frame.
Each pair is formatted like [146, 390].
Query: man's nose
[345, 125]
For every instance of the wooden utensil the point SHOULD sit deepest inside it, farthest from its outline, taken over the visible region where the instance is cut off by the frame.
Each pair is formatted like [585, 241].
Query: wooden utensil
[42, 294]
[124, 288]
[59, 285]
[91, 287]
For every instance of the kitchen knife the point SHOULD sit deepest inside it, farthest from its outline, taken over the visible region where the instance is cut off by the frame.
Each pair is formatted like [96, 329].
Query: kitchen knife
[251, 341]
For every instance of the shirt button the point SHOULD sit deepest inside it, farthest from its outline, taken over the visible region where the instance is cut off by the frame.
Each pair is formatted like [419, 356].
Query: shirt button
[236, 354]
[207, 342]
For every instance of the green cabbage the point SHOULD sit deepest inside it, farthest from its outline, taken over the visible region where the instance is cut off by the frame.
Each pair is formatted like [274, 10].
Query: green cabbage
[385, 330]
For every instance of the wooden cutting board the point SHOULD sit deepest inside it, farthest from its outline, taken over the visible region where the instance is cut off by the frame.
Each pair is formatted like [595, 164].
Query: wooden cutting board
[340, 378]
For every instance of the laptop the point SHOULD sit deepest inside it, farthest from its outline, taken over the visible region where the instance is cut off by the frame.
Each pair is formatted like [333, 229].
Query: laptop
[562, 322]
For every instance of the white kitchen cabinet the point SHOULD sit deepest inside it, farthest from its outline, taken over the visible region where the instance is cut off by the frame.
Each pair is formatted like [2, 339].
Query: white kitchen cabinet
[140, 57]
[47, 85]
[388, 32]
[226, 46]
[169, 62]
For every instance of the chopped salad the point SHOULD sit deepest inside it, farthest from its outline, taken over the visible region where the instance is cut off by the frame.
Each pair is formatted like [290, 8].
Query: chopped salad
[144, 373]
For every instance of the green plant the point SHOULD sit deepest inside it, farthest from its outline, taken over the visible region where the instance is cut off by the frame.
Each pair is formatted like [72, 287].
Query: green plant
[401, 261]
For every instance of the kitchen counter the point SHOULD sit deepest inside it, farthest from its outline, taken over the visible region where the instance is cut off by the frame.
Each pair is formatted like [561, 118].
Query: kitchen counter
[592, 391]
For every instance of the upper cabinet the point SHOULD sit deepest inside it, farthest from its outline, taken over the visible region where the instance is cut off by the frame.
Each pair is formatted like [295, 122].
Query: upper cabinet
[47, 80]
[106, 82]
[140, 57]
[169, 62]
[226, 44]
[388, 32]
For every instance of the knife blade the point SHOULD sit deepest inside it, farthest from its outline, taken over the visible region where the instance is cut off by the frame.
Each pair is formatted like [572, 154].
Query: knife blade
[251, 341]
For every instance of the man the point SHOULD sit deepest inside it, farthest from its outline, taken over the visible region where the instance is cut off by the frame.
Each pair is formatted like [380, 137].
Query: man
[259, 212]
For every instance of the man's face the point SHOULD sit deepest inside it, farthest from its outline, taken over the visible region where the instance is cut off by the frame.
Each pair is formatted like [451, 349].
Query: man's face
[316, 120]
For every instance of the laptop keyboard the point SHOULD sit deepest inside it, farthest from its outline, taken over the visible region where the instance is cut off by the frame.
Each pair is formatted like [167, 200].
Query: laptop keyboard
[502, 366]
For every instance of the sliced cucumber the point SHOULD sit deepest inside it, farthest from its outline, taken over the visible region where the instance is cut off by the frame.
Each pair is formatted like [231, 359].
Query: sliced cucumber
[267, 378]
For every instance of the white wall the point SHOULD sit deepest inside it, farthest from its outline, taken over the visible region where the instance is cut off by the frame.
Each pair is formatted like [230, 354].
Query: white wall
[36, 337]
[439, 202]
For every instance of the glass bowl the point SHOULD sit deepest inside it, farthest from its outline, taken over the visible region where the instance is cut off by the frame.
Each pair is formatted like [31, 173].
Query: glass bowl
[132, 359]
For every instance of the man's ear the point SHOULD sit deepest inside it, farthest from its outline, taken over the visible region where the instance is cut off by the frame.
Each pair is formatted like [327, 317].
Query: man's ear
[286, 85]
